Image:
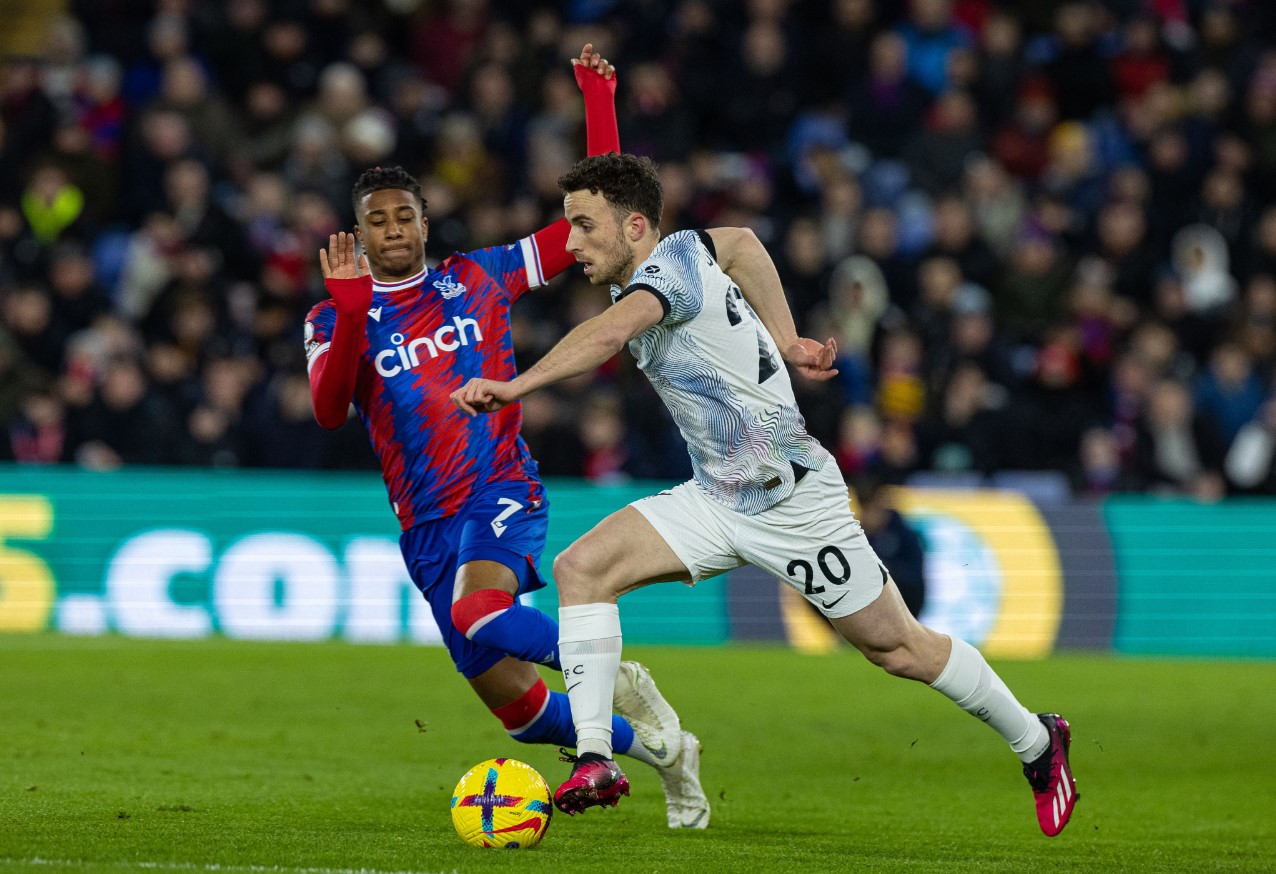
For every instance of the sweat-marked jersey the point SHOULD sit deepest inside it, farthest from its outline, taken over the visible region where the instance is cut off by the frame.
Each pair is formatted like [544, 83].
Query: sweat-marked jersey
[425, 337]
[719, 372]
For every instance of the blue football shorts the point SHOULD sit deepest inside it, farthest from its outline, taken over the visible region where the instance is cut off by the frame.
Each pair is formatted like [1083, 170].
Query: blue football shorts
[497, 524]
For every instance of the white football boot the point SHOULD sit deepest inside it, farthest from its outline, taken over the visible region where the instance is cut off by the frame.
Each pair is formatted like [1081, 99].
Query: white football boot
[676, 752]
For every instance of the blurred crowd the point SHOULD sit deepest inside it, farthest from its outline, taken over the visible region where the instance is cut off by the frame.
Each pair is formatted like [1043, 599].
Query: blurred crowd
[1043, 233]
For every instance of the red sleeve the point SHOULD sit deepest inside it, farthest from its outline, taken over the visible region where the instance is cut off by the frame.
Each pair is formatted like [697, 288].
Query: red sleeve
[602, 136]
[333, 373]
[601, 133]
[551, 243]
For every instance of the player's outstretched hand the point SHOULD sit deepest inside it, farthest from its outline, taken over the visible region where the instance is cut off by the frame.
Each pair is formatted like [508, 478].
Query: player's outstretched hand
[813, 360]
[338, 262]
[483, 396]
[591, 60]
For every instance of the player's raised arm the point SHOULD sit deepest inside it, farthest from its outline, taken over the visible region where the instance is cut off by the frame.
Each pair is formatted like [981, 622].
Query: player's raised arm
[596, 79]
[742, 256]
[334, 361]
[586, 347]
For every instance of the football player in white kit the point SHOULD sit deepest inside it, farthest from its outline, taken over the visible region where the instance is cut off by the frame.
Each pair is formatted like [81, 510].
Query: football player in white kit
[705, 315]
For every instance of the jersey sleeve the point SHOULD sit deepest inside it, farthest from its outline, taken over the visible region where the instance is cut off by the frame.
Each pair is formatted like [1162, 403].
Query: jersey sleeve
[516, 267]
[672, 276]
[318, 331]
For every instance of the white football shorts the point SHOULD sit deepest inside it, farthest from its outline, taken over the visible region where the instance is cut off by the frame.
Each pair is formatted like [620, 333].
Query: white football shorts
[810, 540]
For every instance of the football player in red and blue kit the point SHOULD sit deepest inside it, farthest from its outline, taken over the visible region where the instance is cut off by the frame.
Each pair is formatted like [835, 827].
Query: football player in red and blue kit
[396, 339]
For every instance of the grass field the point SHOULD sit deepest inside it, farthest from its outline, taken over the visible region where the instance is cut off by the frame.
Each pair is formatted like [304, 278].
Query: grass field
[121, 755]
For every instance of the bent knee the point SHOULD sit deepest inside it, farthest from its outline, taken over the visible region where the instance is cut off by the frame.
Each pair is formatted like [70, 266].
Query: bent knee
[571, 568]
[576, 573]
[474, 611]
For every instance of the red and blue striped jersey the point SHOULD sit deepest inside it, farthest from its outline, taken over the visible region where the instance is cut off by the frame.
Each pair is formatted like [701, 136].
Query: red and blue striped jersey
[426, 337]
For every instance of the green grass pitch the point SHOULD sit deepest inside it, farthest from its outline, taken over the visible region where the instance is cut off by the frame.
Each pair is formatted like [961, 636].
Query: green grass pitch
[123, 756]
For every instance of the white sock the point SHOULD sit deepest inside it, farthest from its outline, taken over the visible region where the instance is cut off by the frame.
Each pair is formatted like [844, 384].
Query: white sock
[973, 685]
[589, 650]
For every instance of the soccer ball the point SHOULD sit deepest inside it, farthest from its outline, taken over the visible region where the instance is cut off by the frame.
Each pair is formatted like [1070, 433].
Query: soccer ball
[501, 803]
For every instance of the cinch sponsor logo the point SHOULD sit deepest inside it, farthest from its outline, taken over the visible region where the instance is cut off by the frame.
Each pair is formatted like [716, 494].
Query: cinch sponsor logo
[406, 354]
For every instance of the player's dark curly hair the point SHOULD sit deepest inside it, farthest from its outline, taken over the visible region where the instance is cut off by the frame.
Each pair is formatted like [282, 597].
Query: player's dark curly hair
[629, 183]
[378, 178]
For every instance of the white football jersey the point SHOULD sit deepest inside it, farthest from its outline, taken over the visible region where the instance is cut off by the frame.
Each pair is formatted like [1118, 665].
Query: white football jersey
[720, 373]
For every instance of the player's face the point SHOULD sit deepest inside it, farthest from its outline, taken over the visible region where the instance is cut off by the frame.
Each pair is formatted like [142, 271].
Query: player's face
[392, 230]
[597, 239]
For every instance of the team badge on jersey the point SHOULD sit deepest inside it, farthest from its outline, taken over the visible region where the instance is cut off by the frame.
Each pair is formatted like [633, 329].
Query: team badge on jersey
[449, 287]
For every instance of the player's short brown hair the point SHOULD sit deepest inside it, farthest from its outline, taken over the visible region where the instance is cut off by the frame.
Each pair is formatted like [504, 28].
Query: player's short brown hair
[628, 182]
[378, 178]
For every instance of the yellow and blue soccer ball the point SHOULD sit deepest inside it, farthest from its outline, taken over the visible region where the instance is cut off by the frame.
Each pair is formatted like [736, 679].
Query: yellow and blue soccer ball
[501, 803]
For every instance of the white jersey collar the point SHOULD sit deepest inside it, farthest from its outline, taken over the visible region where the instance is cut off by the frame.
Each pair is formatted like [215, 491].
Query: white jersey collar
[400, 285]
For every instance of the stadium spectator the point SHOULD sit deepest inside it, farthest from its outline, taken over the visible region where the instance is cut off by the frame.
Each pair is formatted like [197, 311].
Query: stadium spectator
[842, 47]
[443, 41]
[1176, 448]
[1001, 66]
[931, 36]
[1099, 470]
[29, 320]
[653, 121]
[126, 423]
[184, 90]
[885, 107]
[38, 433]
[18, 377]
[896, 543]
[857, 302]
[53, 206]
[975, 339]
[1229, 391]
[26, 111]
[879, 241]
[970, 431]
[763, 81]
[859, 442]
[1033, 284]
[1255, 325]
[1078, 72]
[167, 39]
[77, 298]
[99, 106]
[266, 122]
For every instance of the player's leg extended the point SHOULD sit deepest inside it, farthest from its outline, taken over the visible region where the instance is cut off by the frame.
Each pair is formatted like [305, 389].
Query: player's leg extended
[621, 553]
[888, 635]
[838, 571]
[811, 539]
